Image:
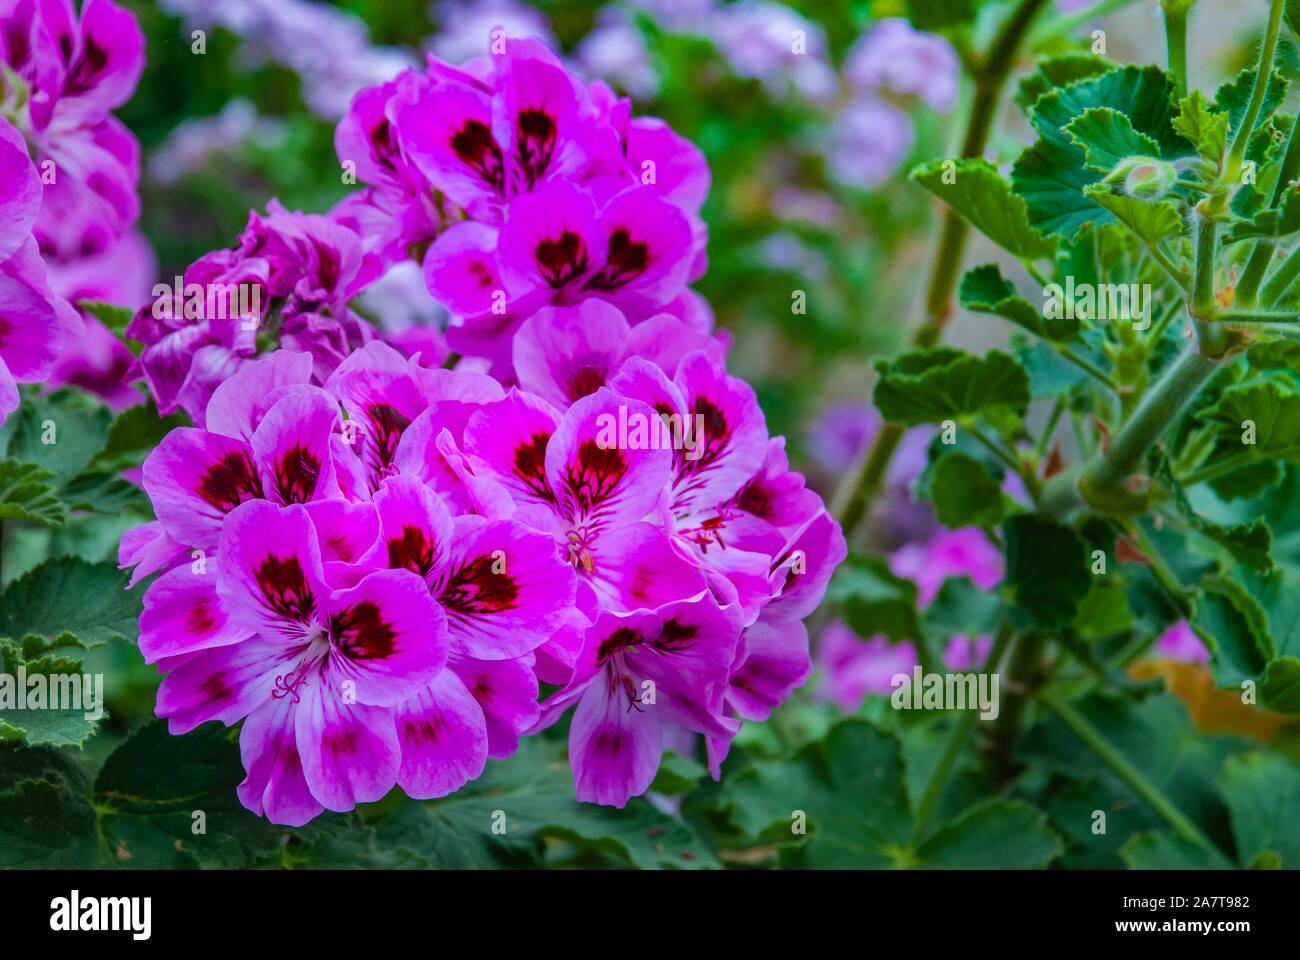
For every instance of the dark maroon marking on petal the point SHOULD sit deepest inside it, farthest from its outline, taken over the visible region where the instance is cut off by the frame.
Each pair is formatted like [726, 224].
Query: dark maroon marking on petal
[424, 729]
[482, 272]
[534, 144]
[341, 548]
[598, 472]
[476, 589]
[609, 740]
[586, 380]
[530, 465]
[388, 423]
[18, 46]
[342, 743]
[361, 633]
[65, 47]
[381, 140]
[476, 148]
[230, 481]
[200, 619]
[285, 588]
[717, 434]
[676, 636]
[215, 688]
[328, 259]
[561, 260]
[626, 261]
[621, 639]
[413, 550]
[481, 690]
[754, 498]
[296, 474]
[89, 66]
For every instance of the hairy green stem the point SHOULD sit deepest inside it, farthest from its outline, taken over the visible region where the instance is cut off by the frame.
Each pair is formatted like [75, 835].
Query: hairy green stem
[1262, 254]
[1219, 469]
[1282, 279]
[1101, 481]
[956, 741]
[1147, 790]
[1232, 169]
[1176, 45]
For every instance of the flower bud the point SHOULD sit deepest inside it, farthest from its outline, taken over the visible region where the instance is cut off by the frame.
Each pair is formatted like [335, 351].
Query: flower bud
[1145, 178]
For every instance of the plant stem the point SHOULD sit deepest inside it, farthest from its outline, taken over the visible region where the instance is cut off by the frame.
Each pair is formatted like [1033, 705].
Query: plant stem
[956, 740]
[1280, 282]
[1147, 790]
[1087, 367]
[1262, 254]
[1158, 410]
[1219, 469]
[1176, 45]
[860, 484]
[1264, 70]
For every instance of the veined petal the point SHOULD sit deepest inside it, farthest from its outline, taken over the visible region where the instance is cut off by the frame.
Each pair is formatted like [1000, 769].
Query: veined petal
[443, 738]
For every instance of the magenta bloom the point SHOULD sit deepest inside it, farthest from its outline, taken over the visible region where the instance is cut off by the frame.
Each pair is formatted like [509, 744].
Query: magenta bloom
[637, 673]
[319, 672]
[287, 284]
[32, 318]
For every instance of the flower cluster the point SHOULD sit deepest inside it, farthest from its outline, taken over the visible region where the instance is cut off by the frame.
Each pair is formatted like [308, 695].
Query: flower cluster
[373, 562]
[33, 319]
[64, 75]
[376, 572]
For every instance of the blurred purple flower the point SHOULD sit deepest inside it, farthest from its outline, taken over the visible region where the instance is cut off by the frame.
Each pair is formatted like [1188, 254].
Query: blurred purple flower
[615, 51]
[776, 46]
[869, 138]
[894, 55]
[465, 27]
[850, 668]
[949, 553]
[194, 142]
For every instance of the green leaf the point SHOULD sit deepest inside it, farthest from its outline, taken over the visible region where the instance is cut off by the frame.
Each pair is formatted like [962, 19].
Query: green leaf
[135, 433]
[151, 788]
[103, 493]
[1167, 851]
[1204, 126]
[1262, 791]
[942, 383]
[1272, 406]
[1234, 98]
[114, 317]
[48, 700]
[1047, 572]
[1150, 221]
[60, 433]
[1234, 628]
[1281, 221]
[1249, 543]
[980, 194]
[45, 820]
[962, 608]
[874, 601]
[985, 290]
[25, 494]
[995, 835]
[765, 801]
[678, 774]
[964, 494]
[1059, 71]
[934, 16]
[1105, 609]
[68, 599]
[1107, 137]
[533, 793]
[1051, 174]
